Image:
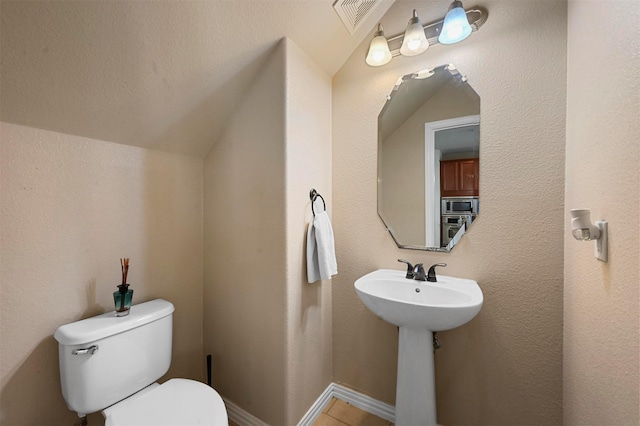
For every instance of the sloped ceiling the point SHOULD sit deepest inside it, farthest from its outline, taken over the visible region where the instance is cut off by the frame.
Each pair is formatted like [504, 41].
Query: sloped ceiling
[164, 75]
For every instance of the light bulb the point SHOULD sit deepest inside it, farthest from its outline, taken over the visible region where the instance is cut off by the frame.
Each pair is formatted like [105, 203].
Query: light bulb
[413, 45]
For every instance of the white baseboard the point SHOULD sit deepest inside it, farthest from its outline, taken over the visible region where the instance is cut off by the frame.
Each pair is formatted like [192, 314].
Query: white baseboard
[317, 407]
[363, 402]
[241, 417]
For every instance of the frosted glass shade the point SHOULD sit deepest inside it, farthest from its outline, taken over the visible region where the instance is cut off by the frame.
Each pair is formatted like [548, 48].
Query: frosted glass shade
[414, 41]
[456, 25]
[379, 53]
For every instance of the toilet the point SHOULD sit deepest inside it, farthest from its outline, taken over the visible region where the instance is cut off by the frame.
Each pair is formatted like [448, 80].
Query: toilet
[111, 364]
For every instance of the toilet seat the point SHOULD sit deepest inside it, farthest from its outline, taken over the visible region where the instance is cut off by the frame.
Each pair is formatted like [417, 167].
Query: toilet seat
[175, 402]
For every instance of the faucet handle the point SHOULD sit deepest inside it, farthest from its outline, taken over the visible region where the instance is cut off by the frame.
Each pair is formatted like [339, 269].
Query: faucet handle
[431, 275]
[409, 268]
[418, 272]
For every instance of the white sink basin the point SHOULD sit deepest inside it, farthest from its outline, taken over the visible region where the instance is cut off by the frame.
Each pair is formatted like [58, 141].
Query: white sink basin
[418, 308]
[443, 305]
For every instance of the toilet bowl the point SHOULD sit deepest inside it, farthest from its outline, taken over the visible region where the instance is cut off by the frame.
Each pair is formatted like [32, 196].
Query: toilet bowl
[198, 404]
[111, 364]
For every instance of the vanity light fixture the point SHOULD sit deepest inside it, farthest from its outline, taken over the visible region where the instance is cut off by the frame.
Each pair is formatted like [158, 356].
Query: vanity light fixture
[417, 37]
[583, 230]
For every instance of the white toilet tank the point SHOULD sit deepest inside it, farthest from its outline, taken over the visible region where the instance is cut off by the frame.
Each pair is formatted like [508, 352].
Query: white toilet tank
[105, 359]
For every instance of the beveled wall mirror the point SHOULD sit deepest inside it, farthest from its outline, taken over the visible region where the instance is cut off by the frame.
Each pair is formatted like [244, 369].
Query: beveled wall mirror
[428, 159]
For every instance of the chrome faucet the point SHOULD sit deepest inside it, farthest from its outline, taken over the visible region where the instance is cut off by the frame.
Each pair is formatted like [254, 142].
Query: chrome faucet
[409, 268]
[414, 272]
[418, 273]
[431, 275]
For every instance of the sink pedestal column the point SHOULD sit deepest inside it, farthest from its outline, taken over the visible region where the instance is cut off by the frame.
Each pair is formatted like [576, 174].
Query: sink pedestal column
[416, 390]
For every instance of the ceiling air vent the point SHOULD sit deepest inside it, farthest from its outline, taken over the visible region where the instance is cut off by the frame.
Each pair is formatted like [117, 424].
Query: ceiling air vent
[354, 12]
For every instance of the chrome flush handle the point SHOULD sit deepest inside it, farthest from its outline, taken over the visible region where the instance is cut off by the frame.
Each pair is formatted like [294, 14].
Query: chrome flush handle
[90, 350]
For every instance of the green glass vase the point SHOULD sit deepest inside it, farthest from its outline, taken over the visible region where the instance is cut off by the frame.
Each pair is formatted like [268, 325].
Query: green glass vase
[122, 300]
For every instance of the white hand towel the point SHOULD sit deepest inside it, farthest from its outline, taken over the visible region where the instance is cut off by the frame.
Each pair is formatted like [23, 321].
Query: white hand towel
[325, 246]
[313, 269]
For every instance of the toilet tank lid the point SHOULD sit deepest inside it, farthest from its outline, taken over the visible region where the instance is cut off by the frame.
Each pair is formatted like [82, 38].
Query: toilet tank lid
[105, 325]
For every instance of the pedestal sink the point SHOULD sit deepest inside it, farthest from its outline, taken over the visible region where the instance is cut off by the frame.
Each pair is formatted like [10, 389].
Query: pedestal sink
[419, 308]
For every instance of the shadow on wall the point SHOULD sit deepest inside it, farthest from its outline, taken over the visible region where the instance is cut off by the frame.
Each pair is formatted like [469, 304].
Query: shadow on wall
[93, 308]
[40, 369]
[33, 392]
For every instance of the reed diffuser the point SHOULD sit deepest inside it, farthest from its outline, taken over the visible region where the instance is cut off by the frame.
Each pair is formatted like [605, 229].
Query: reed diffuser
[123, 297]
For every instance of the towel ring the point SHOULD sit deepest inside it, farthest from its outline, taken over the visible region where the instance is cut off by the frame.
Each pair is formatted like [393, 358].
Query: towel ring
[313, 195]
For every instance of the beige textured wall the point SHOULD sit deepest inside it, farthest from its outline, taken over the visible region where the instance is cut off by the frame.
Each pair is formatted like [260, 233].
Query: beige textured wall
[164, 75]
[244, 252]
[71, 208]
[505, 366]
[601, 334]
[308, 165]
[269, 331]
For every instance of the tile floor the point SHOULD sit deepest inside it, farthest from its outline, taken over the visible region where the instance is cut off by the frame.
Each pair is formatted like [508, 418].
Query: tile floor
[340, 413]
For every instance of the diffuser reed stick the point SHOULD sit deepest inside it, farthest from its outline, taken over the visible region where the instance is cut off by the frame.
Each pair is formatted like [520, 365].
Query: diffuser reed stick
[124, 265]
